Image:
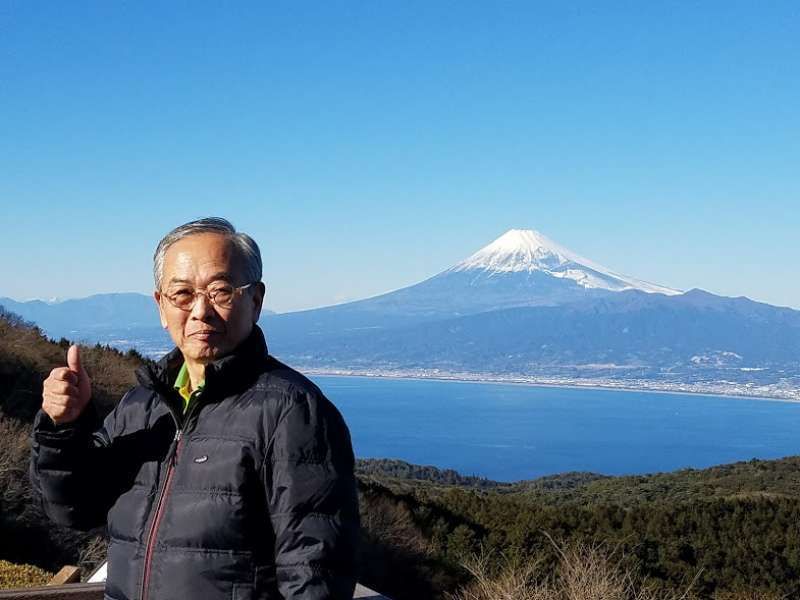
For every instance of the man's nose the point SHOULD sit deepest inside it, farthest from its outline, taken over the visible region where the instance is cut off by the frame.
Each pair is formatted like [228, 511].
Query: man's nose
[203, 306]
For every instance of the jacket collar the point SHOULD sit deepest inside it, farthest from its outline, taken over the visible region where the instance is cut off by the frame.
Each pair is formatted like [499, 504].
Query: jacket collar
[223, 376]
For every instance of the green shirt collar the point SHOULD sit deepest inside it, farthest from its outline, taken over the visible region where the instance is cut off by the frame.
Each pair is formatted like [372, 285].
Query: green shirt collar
[182, 384]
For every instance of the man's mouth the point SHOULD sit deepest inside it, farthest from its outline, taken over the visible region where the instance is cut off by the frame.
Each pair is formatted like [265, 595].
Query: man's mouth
[206, 333]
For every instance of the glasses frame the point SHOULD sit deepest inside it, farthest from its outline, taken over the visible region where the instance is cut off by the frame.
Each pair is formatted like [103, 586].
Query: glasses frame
[237, 291]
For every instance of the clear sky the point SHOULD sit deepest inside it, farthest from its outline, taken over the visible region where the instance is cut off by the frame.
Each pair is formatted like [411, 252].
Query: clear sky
[369, 145]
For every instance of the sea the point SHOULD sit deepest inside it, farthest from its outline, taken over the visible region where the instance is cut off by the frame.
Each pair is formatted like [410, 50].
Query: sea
[511, 432]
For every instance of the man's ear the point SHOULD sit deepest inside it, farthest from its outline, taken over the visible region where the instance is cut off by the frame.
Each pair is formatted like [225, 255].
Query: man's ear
[259, 291]
[157, 298]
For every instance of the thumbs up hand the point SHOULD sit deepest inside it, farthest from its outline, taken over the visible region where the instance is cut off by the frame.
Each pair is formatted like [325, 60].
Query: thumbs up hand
[67, 390]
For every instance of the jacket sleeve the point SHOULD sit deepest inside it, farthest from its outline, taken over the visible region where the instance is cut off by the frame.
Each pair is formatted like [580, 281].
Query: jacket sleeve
[311, 494]
[72, 470]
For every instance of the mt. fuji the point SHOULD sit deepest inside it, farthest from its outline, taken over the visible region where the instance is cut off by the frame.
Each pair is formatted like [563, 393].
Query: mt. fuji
[526, 250]
[520, 268]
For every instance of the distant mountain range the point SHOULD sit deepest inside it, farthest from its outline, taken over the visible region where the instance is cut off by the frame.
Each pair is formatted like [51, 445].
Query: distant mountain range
[521, 306]
[96, 312]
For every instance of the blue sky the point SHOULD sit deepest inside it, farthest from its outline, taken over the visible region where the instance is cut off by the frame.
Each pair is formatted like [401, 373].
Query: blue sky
[368, 145]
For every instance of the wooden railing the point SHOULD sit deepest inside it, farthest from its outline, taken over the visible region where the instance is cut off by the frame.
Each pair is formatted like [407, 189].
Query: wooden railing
[57, 590]
[71, 591]
[94, 591]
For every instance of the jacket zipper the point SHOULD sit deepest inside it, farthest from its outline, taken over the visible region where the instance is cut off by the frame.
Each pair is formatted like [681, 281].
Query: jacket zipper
[181, 425]
[151, 537]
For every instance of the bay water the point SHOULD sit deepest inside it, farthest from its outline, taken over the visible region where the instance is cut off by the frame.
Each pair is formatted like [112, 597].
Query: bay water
[509, 432]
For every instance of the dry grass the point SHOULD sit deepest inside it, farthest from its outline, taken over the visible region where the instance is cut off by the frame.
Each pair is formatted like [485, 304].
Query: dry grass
[21, 576]
[585, 572]
[516, 581]
[92, 555]
[391, 520]
[750, 596]
[14, 452]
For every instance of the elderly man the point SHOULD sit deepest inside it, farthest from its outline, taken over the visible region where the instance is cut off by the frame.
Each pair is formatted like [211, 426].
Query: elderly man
[224, 473]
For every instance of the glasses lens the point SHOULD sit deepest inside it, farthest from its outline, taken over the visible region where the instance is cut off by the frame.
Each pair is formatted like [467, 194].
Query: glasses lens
[222, 296]
[182, 298]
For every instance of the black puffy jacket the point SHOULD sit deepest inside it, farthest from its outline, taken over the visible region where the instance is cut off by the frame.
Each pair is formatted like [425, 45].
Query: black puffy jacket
[250, 495]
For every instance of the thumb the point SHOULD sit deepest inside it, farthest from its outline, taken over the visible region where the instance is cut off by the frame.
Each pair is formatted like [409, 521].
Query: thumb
[74, 359]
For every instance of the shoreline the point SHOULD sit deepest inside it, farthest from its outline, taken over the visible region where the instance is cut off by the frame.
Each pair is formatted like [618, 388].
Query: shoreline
[549, 384]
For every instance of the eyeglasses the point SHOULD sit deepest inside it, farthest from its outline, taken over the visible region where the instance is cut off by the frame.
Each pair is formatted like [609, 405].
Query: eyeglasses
[221, 296]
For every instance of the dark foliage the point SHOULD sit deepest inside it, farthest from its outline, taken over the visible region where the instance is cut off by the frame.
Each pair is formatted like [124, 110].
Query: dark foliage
[383, 468]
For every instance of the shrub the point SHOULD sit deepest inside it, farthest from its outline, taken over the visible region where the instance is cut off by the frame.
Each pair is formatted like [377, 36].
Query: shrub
[585, 572]
[19, 576]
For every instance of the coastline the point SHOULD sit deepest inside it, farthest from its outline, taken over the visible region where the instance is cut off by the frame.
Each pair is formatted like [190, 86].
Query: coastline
[550, 383]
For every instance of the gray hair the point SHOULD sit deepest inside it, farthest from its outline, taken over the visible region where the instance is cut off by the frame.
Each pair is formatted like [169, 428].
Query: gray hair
[244, 244]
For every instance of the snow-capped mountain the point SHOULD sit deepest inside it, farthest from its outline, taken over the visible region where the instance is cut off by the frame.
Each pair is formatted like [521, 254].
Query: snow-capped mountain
[520, 268]
[526, 251]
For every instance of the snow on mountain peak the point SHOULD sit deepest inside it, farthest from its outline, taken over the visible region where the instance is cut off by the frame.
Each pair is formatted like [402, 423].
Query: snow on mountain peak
[527, 250]
[518, 250]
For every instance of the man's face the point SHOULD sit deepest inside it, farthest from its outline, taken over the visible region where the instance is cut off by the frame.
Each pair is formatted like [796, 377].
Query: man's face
[207, 332]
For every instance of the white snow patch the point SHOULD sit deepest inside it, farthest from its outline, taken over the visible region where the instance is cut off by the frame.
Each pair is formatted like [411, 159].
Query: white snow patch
[521, 250]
